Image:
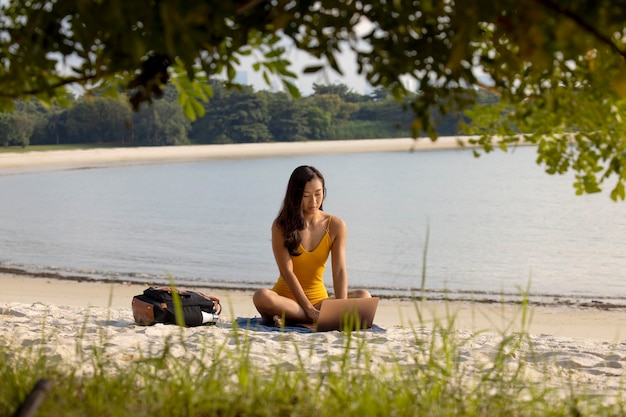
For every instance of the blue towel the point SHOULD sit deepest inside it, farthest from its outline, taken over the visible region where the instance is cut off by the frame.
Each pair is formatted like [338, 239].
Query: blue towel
[255, 323]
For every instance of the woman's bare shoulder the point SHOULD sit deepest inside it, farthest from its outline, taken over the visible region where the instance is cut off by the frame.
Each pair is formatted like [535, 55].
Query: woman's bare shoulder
[276, 230]
[337, 224]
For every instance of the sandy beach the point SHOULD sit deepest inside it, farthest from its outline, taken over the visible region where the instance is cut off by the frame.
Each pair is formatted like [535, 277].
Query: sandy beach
[585, 345]
[561, 321]
[11, 163]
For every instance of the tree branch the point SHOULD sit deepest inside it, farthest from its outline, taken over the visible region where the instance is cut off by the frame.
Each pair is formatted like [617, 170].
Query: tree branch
[248, 6]
[62, 83]
[550, 5]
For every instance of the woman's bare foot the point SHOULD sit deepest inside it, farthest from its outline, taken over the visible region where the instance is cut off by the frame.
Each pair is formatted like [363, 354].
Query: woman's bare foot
[272, 321]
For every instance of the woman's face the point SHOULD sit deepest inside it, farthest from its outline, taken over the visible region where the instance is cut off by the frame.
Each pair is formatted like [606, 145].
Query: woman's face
[313, 196]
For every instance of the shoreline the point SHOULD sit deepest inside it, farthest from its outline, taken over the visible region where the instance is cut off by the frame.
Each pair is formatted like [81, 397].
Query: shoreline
[573, 321]
[591, 302]
[55, 160]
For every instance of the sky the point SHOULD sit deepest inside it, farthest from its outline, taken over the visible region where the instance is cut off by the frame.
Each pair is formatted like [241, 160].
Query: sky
[346, 60]
[300, 60]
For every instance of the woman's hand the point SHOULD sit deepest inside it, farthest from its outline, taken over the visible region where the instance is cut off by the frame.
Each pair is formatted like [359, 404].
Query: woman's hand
[312, 313]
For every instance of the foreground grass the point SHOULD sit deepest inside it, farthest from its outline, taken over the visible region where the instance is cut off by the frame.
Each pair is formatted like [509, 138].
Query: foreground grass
[223, 380]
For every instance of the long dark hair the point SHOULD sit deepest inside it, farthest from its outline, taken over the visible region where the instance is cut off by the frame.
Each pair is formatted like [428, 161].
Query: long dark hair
[290, 219]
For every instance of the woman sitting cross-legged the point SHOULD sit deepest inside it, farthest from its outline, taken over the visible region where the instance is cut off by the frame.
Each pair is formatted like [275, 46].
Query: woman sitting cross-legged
[303, 236]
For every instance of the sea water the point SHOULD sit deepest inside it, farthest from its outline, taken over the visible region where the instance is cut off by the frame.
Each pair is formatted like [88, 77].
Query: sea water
[442, 221]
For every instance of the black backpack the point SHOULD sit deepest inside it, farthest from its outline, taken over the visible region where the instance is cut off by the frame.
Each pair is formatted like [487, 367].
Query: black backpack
[156, 305]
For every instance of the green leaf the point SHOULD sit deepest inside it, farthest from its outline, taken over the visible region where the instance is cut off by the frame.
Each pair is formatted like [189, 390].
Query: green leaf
[208, 90]
[293, 90]
[272, 40]
[110, 90]
[416, 127]
[182, 99]
[198, 108]
[312, 69]
[189, 110]
[618, 193]
[231, 72]
[590, 184]
[63, 101]
[274, 53]
[289, 74]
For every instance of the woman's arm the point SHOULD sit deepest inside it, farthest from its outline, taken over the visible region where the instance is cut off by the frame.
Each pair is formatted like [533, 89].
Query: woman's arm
[285, 267]
[338, 233]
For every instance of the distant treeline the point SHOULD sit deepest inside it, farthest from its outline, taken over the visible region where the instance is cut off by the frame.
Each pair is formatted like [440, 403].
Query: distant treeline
[232, 116]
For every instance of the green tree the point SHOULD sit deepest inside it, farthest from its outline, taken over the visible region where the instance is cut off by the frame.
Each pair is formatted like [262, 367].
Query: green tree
[16, 128]
[342, 90]
[161, 124]
[233, 116]
[288, 118]
[39, 115]
[380, 93]
[98, 120]
[558, 67]
[319, 122]
[51, 129]
[387, 110]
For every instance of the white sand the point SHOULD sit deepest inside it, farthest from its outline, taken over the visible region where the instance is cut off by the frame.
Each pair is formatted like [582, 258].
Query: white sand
[98, 158]
[68, 319]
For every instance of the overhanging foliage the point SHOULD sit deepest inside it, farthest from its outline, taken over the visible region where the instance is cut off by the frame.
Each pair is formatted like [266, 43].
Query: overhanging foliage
[558, 66]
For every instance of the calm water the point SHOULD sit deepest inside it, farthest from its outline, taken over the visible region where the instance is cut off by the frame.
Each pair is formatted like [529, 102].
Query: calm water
[488, 225]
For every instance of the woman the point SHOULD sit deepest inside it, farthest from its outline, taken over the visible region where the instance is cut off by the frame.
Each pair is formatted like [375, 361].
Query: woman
[303, 236]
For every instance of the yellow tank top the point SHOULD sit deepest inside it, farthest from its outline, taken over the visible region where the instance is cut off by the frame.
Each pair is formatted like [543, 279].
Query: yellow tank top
[309, 268]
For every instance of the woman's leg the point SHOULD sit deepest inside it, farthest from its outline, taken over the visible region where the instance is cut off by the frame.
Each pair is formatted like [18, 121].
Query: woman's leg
[351, 294]
[359, 294]
[273, 308]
